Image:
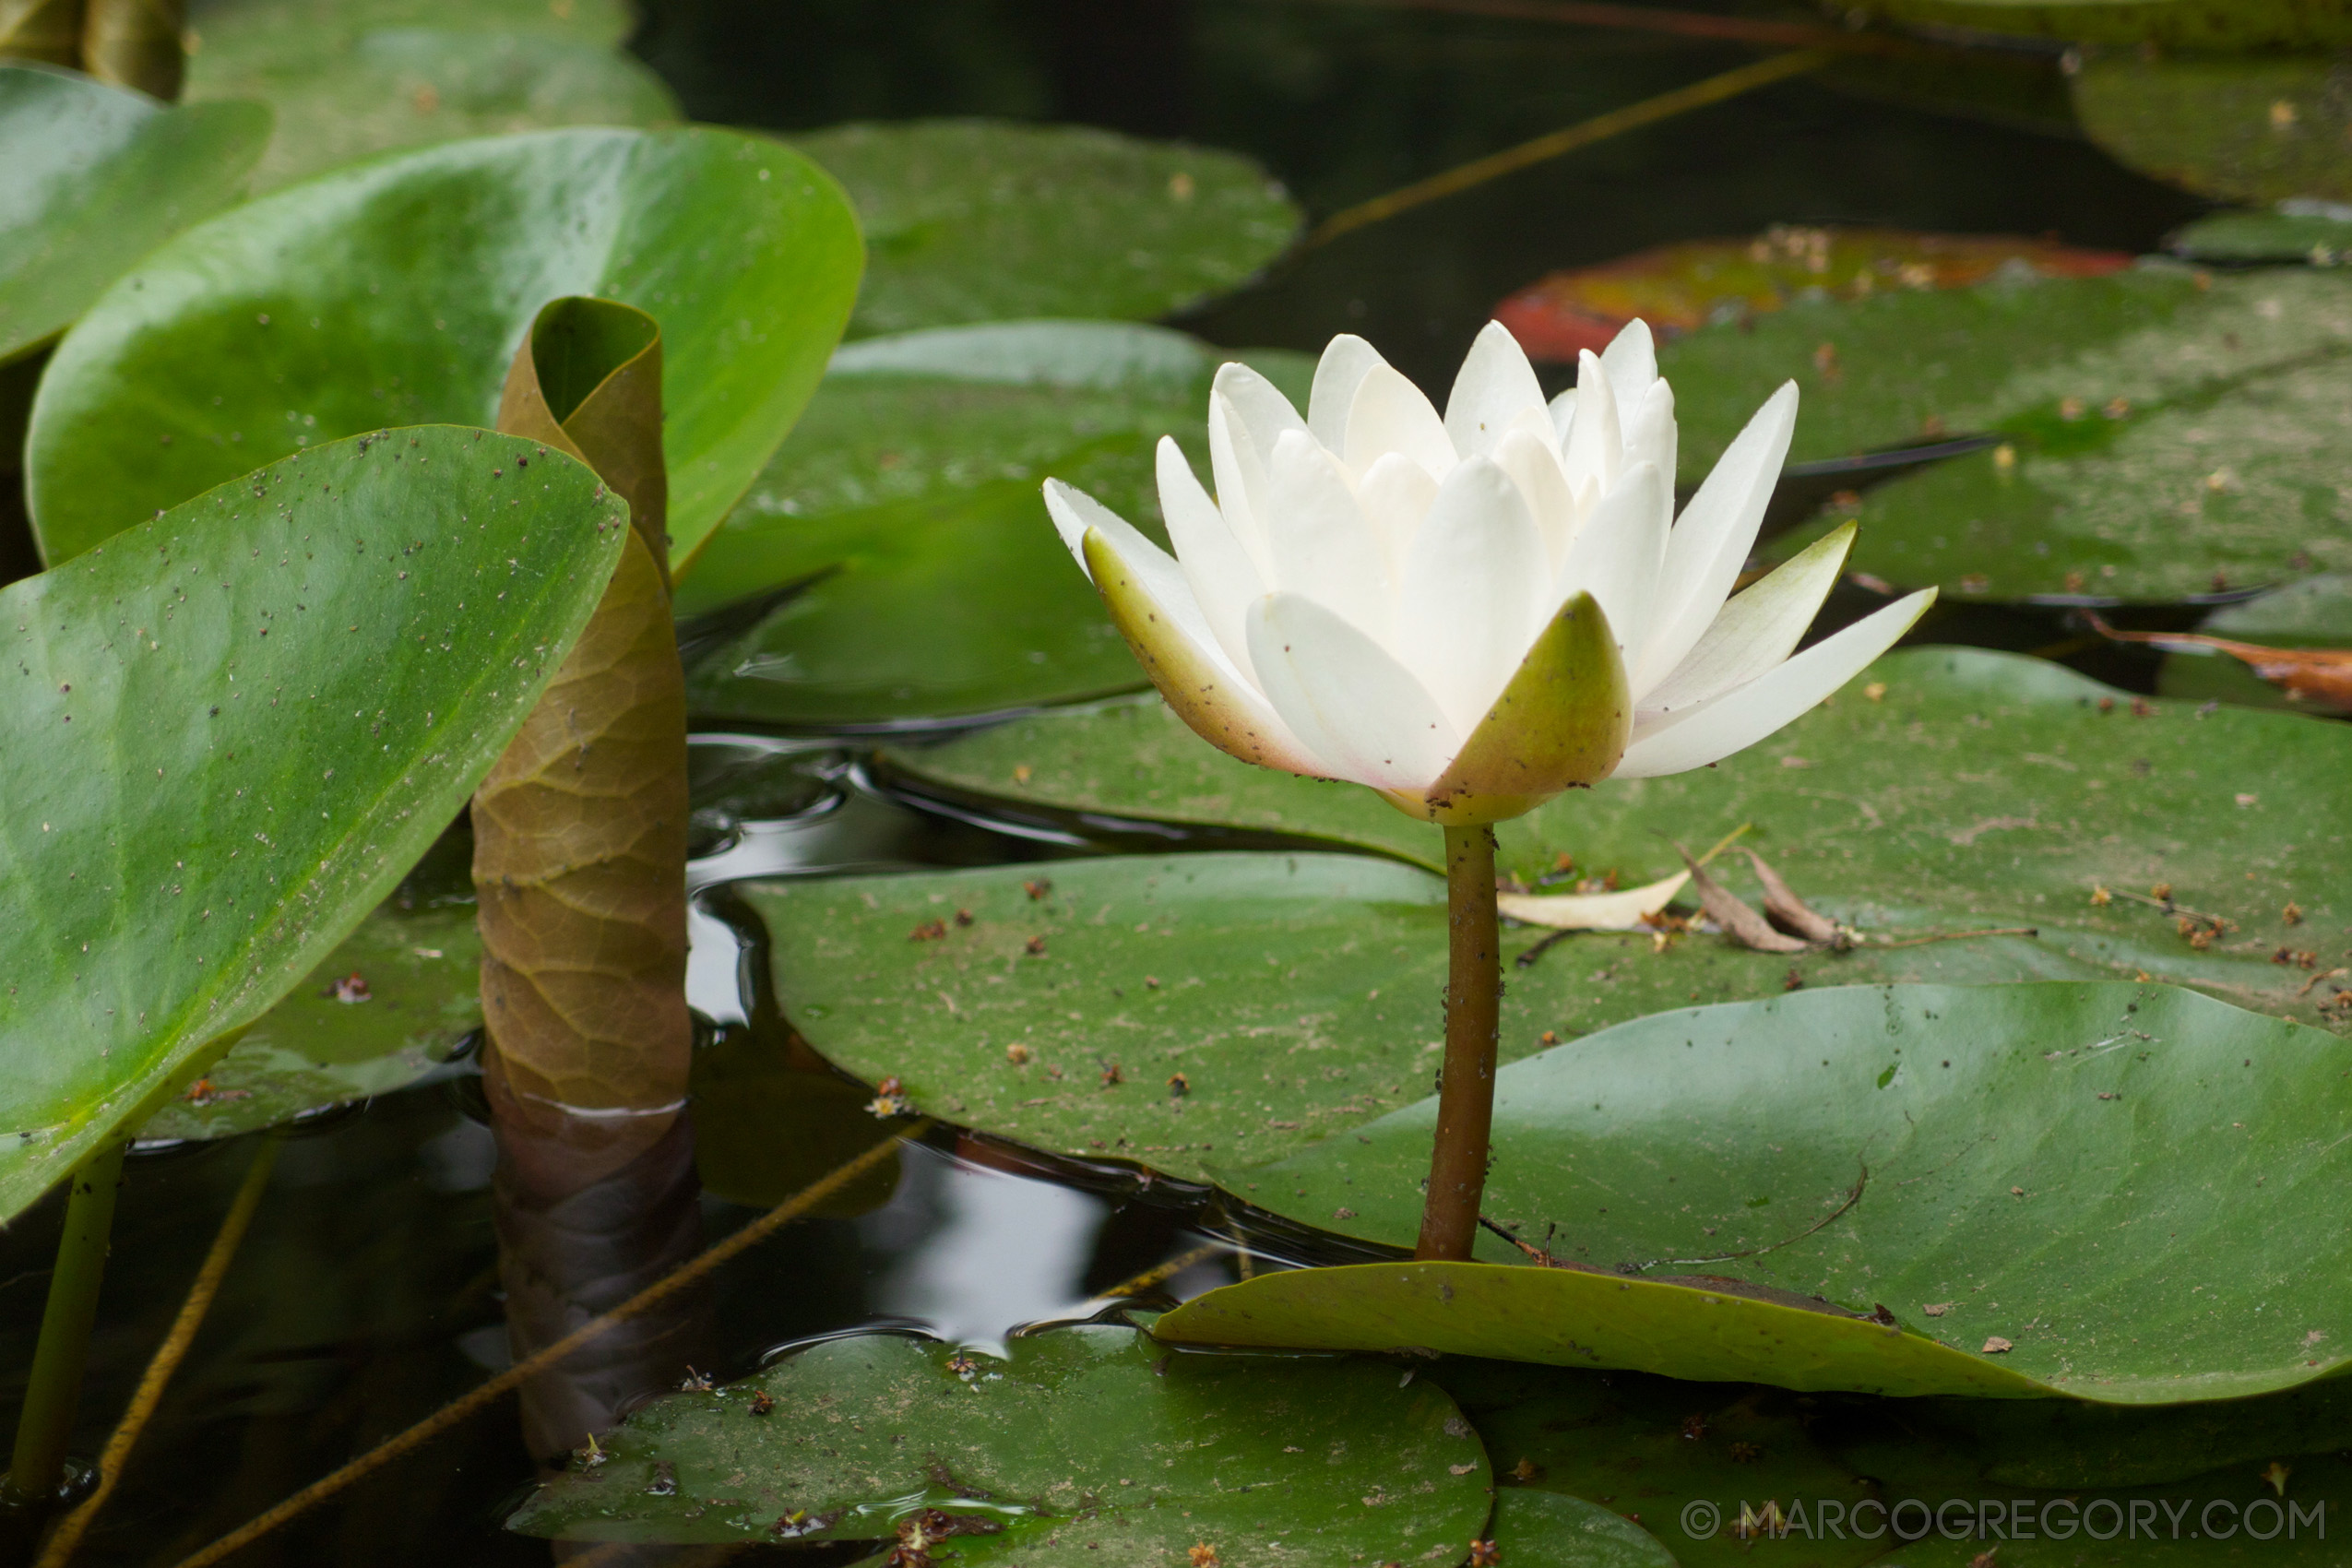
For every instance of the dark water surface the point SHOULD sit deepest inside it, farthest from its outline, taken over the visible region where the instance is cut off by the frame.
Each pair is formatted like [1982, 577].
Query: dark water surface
[367, 1293]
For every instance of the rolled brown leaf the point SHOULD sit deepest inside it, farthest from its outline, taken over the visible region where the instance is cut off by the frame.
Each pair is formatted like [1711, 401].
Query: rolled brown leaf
[138, 44]
[580, 829]
[46, 30]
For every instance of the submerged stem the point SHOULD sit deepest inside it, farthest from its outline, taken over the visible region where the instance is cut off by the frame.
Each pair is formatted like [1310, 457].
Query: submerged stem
[55, 1386]
[1473, 1019]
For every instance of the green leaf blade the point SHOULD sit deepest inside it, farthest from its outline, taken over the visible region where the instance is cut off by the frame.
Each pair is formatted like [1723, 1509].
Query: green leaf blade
[207, 786]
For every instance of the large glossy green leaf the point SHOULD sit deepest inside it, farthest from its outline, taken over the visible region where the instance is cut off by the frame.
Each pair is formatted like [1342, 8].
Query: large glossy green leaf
[976, 220]
[97, 178]
[350, 77]
[390, 1007]
[1978, 790]
[2248, 128]
[398, 291]
[2168, 434]
[1086, 1446]
[910, 494]
[2122, 1191]
[228, 732]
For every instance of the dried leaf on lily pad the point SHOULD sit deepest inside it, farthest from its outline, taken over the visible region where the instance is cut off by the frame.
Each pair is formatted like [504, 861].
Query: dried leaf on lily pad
[2052, 1164]
[1792, 913]
[1681, 287]
[1742, 924]
[2291, 647]
[1082, 1448]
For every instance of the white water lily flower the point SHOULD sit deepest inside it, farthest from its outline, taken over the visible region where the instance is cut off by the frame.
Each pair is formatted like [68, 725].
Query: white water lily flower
[1471, 614]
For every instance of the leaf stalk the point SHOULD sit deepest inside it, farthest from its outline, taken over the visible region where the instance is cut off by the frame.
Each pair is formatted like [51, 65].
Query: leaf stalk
[1473, 1026]
[45, 1425]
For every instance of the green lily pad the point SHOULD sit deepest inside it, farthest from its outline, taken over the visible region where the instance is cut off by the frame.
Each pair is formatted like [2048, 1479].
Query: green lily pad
[332, 1041]
[2188, 24]
[1576, 1452]
[353, 78]
[2168, 433]
[2318, 233]
[908, 493]
[1088, 1446]
[1980, 790]
[207, 789]
[2314, 614]
[2246, 128]
[97, 178]
[2116, 1190]
[978, 220]
[399, 290]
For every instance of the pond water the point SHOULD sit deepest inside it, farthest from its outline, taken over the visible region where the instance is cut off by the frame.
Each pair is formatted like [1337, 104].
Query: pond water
[368, 1291]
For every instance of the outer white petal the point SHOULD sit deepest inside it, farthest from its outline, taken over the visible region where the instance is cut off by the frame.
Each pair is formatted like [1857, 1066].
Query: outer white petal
[1323, 547]
[1152, 603]
[1225, 581]
[1347, 360]
[1595, 449]
[1390, 415]
[1347, 697]
[1738, 718]
[1534, 467]
[1712, 540]
[1239, 467]
[1474, 592]
[1758, 629]
[1494, 387]
[1396, 493]
[1630, 360]
[1266, 413]
[1616, 555]
[1650, 435]
[1564, 417]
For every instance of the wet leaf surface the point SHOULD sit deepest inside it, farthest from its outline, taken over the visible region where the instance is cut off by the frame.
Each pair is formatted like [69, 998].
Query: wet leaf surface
[2118, 1191]
[2314, 615]
[97, 178]
[1978, 790]
[909, 492]
[389, 1008]
[223, 826]
[2164, 435]
[2246, 128]
[353, 78]
[1680, 287]
[1549, 1529]
[1090, 1446]
[975, 220]
[398, 292]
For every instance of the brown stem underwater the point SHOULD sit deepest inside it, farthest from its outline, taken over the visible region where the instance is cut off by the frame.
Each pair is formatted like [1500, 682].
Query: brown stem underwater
[1473, 1022]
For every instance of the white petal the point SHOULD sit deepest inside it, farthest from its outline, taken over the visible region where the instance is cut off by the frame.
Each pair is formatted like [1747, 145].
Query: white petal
[1390, 415]
[1616, 555]
[1474, 592]
[1225, 581]
[1495, 386]
[1630, 360]
[1396, 493]
[1239, 467]
[1347, 697]
[1265, 412]
[1650, 435]
[1347, 360]
[1717, 528]
[1738, 718]
[1323, 547]
[1563, 418]
[1757, 630]
[1534, 467]
[1596, 447]
[1208, 693]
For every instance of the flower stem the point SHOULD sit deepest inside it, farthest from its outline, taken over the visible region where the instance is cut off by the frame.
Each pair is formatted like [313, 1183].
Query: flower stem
[55, 1386]
[1473, 1018]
